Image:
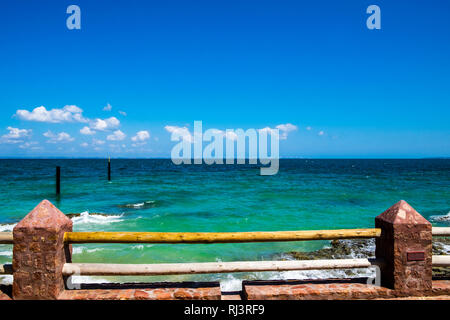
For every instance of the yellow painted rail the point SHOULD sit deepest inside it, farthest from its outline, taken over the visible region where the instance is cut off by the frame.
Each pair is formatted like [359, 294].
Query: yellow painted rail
[217, 237]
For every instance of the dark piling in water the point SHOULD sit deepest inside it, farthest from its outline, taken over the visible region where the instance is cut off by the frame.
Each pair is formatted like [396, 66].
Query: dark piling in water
[109, 169]
[58, 180]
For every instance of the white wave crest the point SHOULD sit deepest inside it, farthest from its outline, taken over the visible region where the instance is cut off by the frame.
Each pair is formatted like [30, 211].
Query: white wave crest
[83, 219]
[7, 227]
[6, 253]
[78, 250]
[444, 247]
[6, 279]
[139, 204]
[86, 218]
[441, 218]
[87, 279]
[141, 246]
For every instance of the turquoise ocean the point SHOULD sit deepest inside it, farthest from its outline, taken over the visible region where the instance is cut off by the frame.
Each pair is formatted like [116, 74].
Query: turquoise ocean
[156, 195]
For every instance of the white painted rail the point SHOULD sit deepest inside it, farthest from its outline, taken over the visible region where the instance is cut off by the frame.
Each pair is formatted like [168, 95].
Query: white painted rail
[441, 261]
[440, 231]
[106, 269]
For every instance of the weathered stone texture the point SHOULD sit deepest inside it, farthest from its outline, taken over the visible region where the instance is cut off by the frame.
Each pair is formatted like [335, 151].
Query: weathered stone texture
[149, 291]
[344, 289]
[336, 289]
[39, 253]
[441, 287]
[404, 230]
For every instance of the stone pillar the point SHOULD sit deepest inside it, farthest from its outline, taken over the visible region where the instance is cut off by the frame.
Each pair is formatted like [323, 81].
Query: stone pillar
[405, 246]
[39, 253]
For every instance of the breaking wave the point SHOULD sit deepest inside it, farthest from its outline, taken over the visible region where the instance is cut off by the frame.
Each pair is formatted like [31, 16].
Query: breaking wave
[86, 218]
[7, 227]
[78, 219]
[139, 205]
[6, 253]
[441, 218]
[6, 279]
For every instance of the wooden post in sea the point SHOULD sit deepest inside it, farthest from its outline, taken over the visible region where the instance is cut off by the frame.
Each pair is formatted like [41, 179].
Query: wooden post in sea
[109, 168]
[58, 180]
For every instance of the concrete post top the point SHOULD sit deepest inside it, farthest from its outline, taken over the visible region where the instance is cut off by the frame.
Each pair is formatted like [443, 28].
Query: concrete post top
[44, 216]
[402, 213]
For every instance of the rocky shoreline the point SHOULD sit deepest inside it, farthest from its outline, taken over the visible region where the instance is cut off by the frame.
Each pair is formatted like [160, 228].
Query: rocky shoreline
[365, 248]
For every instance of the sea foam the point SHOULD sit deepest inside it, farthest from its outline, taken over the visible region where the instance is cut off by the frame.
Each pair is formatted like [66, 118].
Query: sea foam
[7, 227]
[441, 218]
[86, 218]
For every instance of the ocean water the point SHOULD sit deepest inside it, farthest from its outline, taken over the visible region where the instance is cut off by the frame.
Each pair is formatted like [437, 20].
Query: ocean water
[156, 195]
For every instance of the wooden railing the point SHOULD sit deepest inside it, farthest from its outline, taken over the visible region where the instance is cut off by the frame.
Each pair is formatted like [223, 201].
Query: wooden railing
[6, 238]
[209, 237]
[443, 260]
[217, 237]
[106, 269]
[220, 237]
[224, 237]
[439, 231]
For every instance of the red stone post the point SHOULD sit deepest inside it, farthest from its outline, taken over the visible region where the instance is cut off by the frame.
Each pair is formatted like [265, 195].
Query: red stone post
[39, 253]
[405, 246]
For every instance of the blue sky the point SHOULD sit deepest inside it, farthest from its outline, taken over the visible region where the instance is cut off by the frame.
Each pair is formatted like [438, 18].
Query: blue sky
[348, 90]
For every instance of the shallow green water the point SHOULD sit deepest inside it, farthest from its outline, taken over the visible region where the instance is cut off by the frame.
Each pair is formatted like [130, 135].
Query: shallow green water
[155, 195]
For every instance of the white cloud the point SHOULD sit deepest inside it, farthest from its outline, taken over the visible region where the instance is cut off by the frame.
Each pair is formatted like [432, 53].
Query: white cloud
[84, 144]
[308, 128]
[97, 142]
[285, 129]
[69, 113]
[116, 136]
[266, 129]
[321, 133]
[60, 137]
[178, 132]
[183, 132]
[123, 113]
[108, 107]
[30, 145]
[87, 131]
[105, 124]
[141, 136]
[231, 135]
[15, 134]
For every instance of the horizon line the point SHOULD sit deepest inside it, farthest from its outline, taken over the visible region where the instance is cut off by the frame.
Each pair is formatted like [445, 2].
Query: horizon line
[281, 158]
